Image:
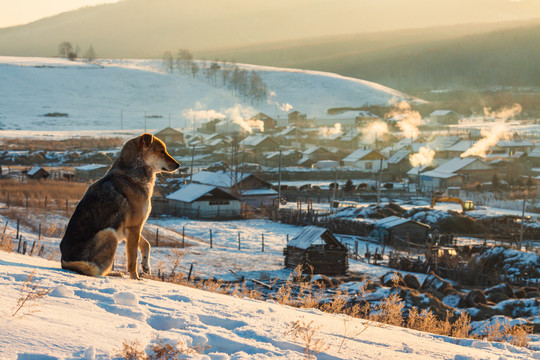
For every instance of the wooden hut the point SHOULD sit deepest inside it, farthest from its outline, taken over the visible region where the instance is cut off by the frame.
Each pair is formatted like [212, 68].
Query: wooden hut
[397, 230]
[37, 173]
[318, 248]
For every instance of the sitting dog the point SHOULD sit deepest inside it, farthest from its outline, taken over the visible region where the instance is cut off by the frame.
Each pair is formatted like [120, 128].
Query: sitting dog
[115, 208]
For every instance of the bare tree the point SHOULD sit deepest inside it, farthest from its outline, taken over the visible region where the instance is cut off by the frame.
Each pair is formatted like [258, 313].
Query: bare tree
[168, 61]
[64, 49]
[183, 60]
[90, 54]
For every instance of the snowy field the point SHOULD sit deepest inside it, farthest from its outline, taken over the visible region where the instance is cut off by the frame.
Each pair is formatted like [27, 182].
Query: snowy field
[115, 94]
[90, 318]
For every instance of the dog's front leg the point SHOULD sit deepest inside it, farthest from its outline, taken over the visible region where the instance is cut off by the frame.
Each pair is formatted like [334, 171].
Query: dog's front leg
[144, 246]
[132, 245]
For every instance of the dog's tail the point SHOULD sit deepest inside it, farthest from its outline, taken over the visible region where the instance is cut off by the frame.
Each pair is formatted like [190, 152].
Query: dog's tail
[82, 267]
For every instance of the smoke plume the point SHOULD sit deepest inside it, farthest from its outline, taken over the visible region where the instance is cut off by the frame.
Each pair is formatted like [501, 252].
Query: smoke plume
[335, 130]
[238, 113]
[424, 156]
[490, 137]
[503, 114]
[408, 120]
[374, 131]
[283, 107]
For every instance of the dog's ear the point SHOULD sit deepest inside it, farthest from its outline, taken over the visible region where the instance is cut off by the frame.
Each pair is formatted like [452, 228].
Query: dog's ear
[145, 140]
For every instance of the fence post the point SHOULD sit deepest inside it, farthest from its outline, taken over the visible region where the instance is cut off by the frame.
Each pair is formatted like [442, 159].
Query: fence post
[39, 232]
[67, 205]
[262, 235]
[287, 238]
[18, 223]
[19, 247]
[157, 237]
[24, 248]
[189, 274]
[210, 238]
[239, 240]
[32, 249]
[183, 236]
[46, 198]
[356, 248]
[26, 196]
[8, 200]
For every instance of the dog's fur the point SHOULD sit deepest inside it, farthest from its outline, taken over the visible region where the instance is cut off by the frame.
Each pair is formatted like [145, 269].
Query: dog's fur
[115, 208]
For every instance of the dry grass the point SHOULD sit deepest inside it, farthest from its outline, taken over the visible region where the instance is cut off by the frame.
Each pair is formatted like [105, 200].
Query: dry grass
[30, 292]
[6, 243]
[80, 144]
[503, 332]
[306, 333]
[133, 350]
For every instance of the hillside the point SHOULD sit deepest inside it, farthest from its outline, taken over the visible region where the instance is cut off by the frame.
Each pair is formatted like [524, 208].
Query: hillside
[91, 318]
[57, 94]
[477, 56]
[144, 29]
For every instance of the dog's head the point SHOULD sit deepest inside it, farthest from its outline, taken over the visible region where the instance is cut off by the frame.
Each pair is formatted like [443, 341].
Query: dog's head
[155, 155]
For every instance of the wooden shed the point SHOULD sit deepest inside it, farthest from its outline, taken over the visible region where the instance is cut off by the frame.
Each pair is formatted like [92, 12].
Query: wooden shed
[394, 229]
[316, 247]
[37, 173]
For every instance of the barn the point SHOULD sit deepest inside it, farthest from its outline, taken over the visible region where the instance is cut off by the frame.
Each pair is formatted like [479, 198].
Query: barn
[396, 230]
[318, 248]
[200, 201]
[37, 173]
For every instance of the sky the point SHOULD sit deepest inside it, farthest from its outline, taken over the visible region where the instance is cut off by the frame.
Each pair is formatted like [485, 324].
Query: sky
[17, 12]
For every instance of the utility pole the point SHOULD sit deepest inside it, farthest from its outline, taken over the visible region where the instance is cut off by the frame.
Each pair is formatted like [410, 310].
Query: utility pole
[379, 185]
[522, 219]
[192, 159]
[279, 179]
[334, 189]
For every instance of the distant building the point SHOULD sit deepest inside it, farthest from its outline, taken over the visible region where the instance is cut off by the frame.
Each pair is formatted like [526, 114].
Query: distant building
[90, 172]
[366, 160]
[37, 173]
[229, 127]
[399, 163]
[298, 119]
[260, 143]
[269, 122]
[457, 172]
[316, 249]
[200, 201]
[444, 117]
[393, 230]
[171, 137]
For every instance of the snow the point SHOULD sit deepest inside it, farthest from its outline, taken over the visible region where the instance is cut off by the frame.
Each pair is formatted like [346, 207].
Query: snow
[90, 318]
[190, 192]
[308, 236]
[116, 94]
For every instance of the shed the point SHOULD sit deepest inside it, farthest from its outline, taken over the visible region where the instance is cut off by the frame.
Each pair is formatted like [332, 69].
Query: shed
[318, 248]
[90, 172]
[203, 202]
[171, 137]
[366, 160]
[37, 173]
[396, 230]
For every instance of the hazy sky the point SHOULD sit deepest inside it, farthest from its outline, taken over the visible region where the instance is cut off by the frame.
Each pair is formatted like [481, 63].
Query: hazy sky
[16, 12]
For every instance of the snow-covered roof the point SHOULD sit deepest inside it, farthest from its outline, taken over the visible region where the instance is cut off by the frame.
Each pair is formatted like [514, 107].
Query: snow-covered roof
[455, 164]
[461, 146]
[442, 112]
[417, 170]
[254, 140]
[90, 167]
[191, 192]
[34, 170]
[398, 156]
[444, 142]
[254, 192]
[515, 143]
[308, 236]
[390, 221]
[220, 178]
[438, 174]
[534, 152]
[358, 155]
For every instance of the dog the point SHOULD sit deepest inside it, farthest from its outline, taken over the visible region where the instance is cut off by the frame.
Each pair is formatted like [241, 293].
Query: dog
[114, 209]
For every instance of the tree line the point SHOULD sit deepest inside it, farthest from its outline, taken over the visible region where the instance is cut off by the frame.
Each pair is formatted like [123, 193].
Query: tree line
[67, 51]
[243, 83]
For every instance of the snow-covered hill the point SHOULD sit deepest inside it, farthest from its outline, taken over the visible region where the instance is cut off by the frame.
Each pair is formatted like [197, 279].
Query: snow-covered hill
[114, 94]
[90, 318]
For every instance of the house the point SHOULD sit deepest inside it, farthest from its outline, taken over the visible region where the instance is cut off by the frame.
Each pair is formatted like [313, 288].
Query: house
[534, 156]
[457, 172]
[298, 119]
[393, 230]
[316, 249]
[238, 184]
[366, 160]
[444, 117]
[456, 150]
[260, 143]
[200, 201]
[317, 153]
[269, 122]
[398, 163]
[37, 173]
[90, 172]
[512, 146]
[291, 136]
[288, 158]
[414, 172]
[171, 137]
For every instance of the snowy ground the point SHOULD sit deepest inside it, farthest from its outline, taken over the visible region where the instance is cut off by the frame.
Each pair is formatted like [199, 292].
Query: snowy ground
[90, 318]
[115, 94]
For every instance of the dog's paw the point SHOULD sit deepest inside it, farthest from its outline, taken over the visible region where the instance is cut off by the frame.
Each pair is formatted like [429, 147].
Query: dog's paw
[134, 276]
